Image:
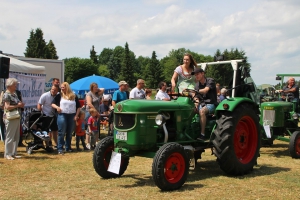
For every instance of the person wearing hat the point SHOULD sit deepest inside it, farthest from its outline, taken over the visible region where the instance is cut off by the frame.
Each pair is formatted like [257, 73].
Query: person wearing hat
[138, 92]
[120, 94]
[207, 88]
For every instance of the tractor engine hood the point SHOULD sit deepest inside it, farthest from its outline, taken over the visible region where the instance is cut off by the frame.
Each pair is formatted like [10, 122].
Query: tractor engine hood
[153, 106]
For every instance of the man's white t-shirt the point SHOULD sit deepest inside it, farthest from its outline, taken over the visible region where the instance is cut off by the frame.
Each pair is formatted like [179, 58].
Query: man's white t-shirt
[135, 93]
[161, 95]
[46, 102]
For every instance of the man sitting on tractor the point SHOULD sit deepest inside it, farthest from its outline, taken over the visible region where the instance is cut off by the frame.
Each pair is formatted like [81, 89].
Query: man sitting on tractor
[207, 105]
[292, 88]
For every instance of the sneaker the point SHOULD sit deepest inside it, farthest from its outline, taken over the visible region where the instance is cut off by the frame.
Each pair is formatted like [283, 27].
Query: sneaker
[9, 157]
[88, 146]
[201, 137]
[86, 149]
[60, 153]
[69, 150]
[16, 156]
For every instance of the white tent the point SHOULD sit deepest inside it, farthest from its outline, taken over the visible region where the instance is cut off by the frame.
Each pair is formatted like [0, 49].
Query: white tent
[24, 67]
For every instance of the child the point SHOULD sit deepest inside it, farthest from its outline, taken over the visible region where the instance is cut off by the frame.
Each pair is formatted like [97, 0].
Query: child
[80, 130]
[39, 132]
[92, 129]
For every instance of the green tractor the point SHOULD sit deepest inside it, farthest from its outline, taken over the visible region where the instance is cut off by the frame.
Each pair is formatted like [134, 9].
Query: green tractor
[281, 120]
[167, 130]
[267, 93]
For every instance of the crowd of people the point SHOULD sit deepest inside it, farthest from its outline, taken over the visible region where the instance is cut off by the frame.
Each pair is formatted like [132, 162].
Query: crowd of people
[62, 109]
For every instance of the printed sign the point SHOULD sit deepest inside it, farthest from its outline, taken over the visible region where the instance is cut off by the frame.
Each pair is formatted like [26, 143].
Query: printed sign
[31, 87]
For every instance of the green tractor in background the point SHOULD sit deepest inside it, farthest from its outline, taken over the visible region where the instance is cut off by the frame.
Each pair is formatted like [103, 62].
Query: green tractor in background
[267, 93]
[167, 130]
[281, 120]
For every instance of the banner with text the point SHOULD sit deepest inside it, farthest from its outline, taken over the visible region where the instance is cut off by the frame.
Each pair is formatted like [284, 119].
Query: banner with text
[31, 87]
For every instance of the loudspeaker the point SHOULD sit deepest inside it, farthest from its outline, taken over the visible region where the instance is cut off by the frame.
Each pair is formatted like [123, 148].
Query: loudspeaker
[4, 67]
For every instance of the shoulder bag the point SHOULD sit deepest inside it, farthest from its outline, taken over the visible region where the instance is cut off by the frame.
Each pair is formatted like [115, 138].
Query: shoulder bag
[14, 114]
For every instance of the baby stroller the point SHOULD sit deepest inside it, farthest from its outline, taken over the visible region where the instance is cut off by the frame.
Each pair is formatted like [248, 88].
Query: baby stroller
[35, 133]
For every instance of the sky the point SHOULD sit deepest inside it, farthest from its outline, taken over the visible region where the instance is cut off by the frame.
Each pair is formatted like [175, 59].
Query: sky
[267, 30]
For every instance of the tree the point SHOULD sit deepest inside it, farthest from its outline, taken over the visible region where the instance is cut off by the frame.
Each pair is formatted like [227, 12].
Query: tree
[142, 63]
[77, 68]
[114, 63]
[154, 71]
[51, 51]
[93, 55]
[223, 73]
[127, 67]
[103, 71]
[38, 48]
[168, 65]
[105, 55]
[36, 45]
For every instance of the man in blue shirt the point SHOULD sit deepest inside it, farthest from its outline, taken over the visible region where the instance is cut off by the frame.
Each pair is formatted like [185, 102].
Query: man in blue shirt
[120, 94]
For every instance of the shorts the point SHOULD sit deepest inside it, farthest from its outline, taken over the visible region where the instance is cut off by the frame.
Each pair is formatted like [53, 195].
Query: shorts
[47, 121]
[211, 108]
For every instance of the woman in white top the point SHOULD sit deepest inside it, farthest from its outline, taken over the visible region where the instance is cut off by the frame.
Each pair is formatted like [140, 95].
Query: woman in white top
[182, 75]
[67, 105]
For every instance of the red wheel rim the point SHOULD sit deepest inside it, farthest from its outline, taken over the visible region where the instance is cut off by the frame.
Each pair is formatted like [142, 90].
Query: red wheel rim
[297, 145]
[174, 168]
[107, 155]
[245, 139]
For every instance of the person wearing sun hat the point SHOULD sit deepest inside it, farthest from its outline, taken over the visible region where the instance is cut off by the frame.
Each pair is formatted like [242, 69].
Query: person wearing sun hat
[120, 94]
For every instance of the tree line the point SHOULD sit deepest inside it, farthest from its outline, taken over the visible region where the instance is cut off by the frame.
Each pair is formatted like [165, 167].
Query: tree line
[120, 63]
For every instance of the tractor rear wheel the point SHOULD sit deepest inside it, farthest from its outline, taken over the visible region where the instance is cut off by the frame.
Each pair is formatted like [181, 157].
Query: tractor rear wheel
[237, 140]
[170, 166]
[101, 158]
[294, 147]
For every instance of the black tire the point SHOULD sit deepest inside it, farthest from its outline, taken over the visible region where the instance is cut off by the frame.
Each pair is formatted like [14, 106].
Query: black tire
[237, 140]
[101, 159]
[170, 167]
[294, 146]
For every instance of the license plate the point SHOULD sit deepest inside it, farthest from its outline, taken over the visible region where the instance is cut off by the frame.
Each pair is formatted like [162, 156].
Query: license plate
[121, 135]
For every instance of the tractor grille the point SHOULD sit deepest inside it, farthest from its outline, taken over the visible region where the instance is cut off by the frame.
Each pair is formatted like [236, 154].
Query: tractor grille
[268, 117]
[124, 121]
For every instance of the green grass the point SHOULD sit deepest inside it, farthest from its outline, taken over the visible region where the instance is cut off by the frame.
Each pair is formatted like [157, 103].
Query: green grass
[43, 175]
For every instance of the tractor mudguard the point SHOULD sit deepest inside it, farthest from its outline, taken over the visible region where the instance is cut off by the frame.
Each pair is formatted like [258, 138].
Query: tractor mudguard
[233, 103]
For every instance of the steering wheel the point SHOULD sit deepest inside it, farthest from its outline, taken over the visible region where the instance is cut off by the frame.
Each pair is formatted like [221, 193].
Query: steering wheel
[290, 96]
[193, 94]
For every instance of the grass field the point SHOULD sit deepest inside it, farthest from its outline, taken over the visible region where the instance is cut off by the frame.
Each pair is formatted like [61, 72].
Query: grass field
[43, 175]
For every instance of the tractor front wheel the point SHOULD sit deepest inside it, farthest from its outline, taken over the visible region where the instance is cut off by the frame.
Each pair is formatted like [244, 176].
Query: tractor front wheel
[101, 158]
[170, 167]
[294, 147]
[237, 140]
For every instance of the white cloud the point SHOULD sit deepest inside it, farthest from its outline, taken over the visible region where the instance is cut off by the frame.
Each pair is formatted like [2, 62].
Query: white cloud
[267, 31]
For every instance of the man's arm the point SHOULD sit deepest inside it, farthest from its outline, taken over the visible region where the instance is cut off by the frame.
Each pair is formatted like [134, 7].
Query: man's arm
[204, 90]
[39, 107]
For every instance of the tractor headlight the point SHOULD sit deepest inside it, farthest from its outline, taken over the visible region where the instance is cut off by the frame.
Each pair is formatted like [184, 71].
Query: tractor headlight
[295, 116]
[159, 120]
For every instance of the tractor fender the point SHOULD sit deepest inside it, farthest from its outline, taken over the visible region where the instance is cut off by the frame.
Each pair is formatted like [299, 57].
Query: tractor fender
[235, 102]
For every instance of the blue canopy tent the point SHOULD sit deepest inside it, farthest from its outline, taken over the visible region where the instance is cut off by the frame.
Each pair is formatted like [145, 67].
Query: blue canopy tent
[82, 86]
